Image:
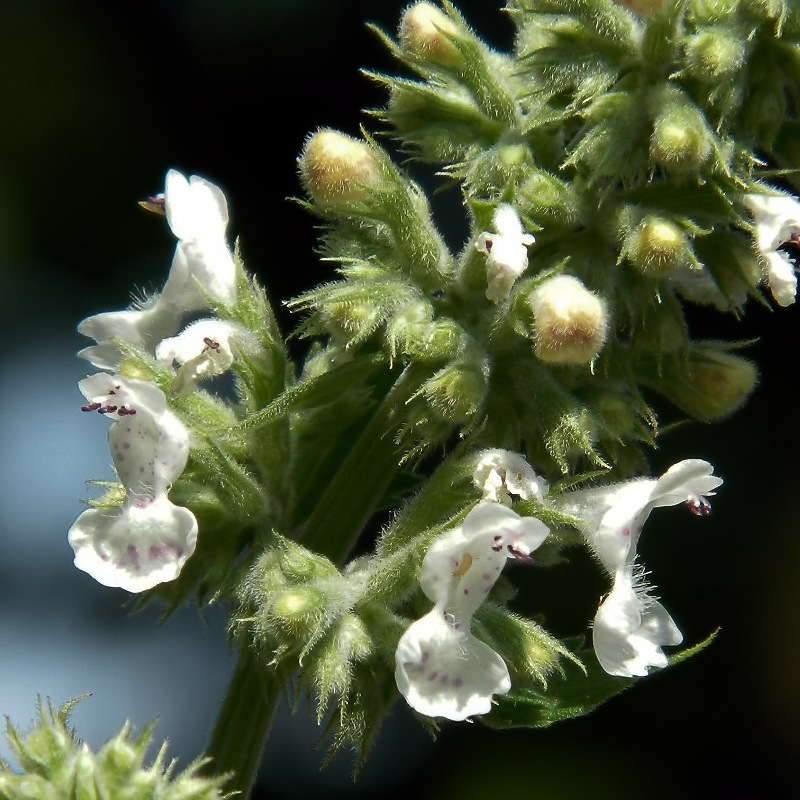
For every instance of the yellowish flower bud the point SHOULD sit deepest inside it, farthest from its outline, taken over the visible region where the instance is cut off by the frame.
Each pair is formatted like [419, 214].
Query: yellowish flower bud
[427, 33]
[335, 167]
[680, 139]
[298, 608]
[570, 322]
[714, 55]
[657, 246]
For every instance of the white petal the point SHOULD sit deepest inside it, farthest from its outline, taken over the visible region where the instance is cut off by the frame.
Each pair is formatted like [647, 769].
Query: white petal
[501, 473]
[128, 393]
[506, 221]
[781, 277]
[683, 481]
[197, 213]
[447, 673]
[141, 328]
[628, 633]
[134, 548]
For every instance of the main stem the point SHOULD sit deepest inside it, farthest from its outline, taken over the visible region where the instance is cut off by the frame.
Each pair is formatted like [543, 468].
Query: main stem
[346, 504]
[240, 733]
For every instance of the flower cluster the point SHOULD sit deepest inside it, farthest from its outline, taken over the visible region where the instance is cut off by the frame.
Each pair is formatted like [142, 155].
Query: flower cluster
[444, 671]
[147, 539]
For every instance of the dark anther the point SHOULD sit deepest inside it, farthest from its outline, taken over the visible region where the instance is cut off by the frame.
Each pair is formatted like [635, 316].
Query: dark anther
[124, 411]
[90, 407]
[488, 245]
[106, 410]
[210, 343]
[699, 506]
[519, 555]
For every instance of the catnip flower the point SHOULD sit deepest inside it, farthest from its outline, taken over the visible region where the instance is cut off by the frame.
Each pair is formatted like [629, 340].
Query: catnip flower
[506, 252]
[442, 670]
[502, 475]
[202, 350]
[148, 539]
[203, 265]
[631, 626]
[777, 221]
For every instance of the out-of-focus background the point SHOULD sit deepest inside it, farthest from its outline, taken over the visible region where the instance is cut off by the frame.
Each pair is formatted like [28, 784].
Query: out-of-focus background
[99, 100]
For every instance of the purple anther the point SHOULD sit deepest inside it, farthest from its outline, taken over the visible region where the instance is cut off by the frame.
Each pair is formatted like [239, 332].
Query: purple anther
[525, 558]
[106, 409]
[91, 407]
[699, 506]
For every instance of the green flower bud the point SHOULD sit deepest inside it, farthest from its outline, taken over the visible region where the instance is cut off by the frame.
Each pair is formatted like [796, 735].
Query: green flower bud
[543, 196]
[336, 168]
[710, 11]
[657, 246]
[714, 55]
[455, 392]
[681, 141]
[299, 609]
[412, 333]
[570, 322]
[616, 413]
[427, 33]
[710, 385]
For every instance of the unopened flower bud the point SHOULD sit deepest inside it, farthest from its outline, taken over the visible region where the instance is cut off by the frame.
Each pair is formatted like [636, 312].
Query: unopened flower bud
[570, 322]
[427, 33]
[711, 385]
[335, 167]
[657, 246]
[709, 11]
[714, 55]
[680, 140]
[455, 392]
[298, 608]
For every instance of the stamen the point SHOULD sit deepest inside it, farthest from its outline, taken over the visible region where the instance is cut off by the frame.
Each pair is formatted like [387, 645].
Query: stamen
[525, 558]
[699, 506]
[91, 407]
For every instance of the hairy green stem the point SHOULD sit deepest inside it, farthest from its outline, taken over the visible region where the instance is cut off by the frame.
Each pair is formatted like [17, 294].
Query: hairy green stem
[240, 732]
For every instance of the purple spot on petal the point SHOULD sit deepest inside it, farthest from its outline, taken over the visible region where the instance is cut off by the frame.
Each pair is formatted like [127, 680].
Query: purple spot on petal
[458, 683]
[433, 676]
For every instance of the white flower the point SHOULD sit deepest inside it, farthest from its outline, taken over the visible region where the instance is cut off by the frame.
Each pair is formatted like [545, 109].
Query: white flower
[777, 220]
[148, 539]
[698, 286]
[441, 668]
[202, 350]
[630, 626]
[506, 251]
[197, 213]
[500, 474]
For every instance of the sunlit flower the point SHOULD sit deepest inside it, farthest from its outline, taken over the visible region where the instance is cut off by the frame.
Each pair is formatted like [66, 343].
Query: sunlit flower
[441, 668]
[148, 539]
[506, 252]
[777, 220]
[202, 350]
[197, 212]
[202, 266]
[502, 475]
[631, 626]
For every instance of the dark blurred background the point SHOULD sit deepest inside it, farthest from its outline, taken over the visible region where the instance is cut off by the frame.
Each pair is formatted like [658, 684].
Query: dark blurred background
[99, 100]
